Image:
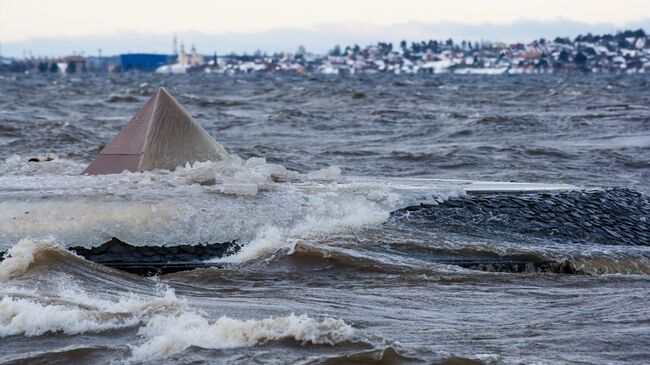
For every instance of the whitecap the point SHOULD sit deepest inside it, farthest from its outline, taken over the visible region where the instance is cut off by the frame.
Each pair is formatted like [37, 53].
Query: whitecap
[168, 335]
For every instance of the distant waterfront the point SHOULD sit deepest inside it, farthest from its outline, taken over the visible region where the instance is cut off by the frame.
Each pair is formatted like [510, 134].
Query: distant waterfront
[623, 52]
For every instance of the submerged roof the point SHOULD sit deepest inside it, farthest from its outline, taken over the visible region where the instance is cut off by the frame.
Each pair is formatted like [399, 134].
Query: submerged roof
[161, 135]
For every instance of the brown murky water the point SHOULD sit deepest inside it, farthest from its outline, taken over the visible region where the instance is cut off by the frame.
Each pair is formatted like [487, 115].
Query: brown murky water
[333, 270]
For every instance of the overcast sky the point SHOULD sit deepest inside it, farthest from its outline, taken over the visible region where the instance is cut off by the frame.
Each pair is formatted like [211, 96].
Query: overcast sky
[42, 26]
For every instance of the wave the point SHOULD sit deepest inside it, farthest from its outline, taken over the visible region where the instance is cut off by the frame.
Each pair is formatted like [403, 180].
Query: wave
[306, 258]
[613, 264]
[83, 303]
[390, 356]
[166, 325]
[420, 259]
[350, 215]
[63, 306]
[269, 209]
[203, 101]
[168, 335]
[550, 152]
[384, 356]
[17, 259]
[503, 121]
[405, 258]
[119, 98]
[29, 318]
[65, 355]
[41, 256]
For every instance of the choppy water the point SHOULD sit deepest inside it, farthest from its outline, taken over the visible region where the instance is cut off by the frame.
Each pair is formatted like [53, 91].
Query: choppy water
[333, 270]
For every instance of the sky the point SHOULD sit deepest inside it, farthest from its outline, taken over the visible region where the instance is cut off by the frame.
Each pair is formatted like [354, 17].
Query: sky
[64, 26]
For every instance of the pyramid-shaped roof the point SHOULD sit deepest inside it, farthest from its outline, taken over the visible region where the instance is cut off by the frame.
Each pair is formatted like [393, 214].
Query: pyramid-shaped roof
[161, 135]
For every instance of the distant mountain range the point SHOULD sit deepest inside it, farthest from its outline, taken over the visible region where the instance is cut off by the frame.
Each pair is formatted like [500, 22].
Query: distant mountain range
[318, 39]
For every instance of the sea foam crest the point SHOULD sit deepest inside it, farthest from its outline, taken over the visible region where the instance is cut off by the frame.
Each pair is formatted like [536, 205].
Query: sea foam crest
[168, 335]
[29, 318]
[326, 217]
[169, 326]
[74, 311]
[20, 256]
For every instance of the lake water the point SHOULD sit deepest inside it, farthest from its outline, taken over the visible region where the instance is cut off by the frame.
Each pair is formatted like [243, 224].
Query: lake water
[358, 252]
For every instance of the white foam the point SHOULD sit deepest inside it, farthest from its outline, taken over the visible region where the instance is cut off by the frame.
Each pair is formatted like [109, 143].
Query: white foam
[168, 335]
[167, 324]
[326, 217]
[203, 202]
[20, 256]
[268, 240]
[164, 299]
[69, 309]
[29, 318]
[75, 312]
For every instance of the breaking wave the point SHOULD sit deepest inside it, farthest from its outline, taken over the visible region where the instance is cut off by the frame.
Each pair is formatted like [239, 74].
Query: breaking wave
[167, 324]
[19, 257]
[29, 318]
[425, 260]
[167, 335]
[163, 334]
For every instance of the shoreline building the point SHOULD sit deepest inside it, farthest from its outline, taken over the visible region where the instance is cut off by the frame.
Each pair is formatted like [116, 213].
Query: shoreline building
[184, 63]
[145, 62]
